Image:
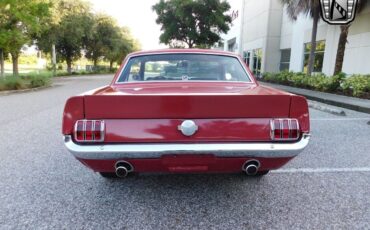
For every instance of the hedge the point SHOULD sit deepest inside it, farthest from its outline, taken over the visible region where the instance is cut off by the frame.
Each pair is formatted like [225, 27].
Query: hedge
[355, 85]
[16, 83]
[38, 79]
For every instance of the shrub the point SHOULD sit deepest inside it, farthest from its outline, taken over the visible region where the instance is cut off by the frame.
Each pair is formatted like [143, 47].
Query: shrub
[12, 83]
[357, 85]
[39, 80]
[30, 80]
[30, 75]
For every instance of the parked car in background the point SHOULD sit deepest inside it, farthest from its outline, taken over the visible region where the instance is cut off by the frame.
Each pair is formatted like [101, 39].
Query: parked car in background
[185, 111]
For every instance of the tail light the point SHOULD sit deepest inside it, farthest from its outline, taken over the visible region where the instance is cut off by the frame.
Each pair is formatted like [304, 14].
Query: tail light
[284, 129]
[89, 131]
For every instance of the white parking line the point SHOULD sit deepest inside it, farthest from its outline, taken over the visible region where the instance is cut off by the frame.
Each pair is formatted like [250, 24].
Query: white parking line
[321, 170]
[341, 119]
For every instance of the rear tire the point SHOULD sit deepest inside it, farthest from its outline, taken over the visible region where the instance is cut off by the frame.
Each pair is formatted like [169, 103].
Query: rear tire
[109, 175]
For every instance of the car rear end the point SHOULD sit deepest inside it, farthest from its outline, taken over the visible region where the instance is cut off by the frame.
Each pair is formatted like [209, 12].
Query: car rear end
[185, 126]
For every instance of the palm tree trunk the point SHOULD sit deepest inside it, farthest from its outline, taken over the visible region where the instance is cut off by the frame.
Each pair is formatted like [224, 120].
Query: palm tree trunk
[311, 60]
[341, 48]
[2, 63]
[15, 64]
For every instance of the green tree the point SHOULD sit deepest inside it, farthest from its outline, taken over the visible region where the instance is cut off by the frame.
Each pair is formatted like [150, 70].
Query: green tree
[193, 22]
[72, 34]
[20, 22]
[121, 45]
[104, 37]
[69, 29]
[307, 7]
[4, 35]
[343, 39]
[2, 62]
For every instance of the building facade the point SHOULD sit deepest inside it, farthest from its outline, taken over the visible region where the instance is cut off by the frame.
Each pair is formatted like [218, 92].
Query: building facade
[271, 42]
[231, 40]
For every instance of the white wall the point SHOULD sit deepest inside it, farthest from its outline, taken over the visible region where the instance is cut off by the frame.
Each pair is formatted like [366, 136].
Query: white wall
[294, 34]
[357, 55]
[261, 29]
[266, 25]
[234, 32]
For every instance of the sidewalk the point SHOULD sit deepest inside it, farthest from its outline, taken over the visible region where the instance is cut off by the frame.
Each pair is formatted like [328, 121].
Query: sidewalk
[357, 104]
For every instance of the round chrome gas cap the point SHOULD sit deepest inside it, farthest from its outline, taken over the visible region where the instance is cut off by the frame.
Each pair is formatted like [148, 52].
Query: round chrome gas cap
[188, 127]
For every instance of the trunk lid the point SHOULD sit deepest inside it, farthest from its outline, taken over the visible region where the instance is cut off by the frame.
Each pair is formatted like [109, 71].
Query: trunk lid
[186, 101]
[152, 112]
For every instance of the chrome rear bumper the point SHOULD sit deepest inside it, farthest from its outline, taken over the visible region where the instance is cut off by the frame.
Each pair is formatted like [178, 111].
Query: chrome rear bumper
[150, 150]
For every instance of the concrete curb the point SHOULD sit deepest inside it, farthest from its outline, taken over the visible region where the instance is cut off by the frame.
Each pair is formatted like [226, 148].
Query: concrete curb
[320, 97]
[326, 109]
[9, 92]
[336, 103]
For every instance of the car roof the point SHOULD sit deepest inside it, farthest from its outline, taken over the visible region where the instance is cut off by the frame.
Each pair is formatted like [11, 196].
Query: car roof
[195, 51]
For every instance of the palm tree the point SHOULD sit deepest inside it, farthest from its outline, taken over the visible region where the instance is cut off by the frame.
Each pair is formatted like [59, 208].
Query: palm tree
[343, 39]
[307, 7]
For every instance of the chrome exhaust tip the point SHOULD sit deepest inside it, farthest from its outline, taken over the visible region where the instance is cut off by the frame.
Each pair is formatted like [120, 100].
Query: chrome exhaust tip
[121, 171]
[251, 167]
[123, 168]
[251, 170]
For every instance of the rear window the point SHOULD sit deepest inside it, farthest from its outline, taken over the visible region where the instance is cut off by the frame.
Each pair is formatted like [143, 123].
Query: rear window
[183, 67]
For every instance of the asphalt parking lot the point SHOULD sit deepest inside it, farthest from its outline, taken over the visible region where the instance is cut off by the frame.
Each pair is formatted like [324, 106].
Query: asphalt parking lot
[43, 187]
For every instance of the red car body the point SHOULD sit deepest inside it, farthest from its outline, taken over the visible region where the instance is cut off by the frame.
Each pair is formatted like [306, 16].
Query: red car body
[235, 124]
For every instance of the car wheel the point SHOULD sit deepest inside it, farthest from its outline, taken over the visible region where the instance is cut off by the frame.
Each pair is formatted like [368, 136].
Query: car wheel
[108, 175]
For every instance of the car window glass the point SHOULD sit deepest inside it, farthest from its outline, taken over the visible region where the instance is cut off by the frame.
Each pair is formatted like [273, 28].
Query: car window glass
[134, 74]
[184, 67]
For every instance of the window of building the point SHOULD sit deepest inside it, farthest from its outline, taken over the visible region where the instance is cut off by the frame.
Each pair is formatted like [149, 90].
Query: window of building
[246, 57]
[319, 56]
[257, 62]
[231, 45]
[285, 59]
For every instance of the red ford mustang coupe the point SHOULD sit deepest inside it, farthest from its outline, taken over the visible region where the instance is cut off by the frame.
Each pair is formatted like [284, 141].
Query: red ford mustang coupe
[185, 111]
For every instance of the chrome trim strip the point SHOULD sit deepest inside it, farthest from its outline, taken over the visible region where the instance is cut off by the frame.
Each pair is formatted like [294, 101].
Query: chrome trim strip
[281, 127]
[102, 130]
[130, 56]
[272, 129]
[75, 130]
[93, 130]
[84, 129]
[124, 151]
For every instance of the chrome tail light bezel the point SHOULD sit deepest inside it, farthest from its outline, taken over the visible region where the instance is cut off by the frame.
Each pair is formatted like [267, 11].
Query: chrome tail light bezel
[93, 139]
[281, 128]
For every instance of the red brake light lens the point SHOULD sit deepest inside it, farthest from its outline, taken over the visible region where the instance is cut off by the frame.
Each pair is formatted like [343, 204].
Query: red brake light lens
[79, 134]
[89, 131]
[285, 129]
[98, 131]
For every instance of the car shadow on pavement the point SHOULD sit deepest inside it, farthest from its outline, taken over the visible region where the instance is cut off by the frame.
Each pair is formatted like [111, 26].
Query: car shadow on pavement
[179, 186]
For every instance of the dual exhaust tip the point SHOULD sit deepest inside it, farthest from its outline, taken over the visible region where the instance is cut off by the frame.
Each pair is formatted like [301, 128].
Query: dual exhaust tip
[251, 167]
[123, 168]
